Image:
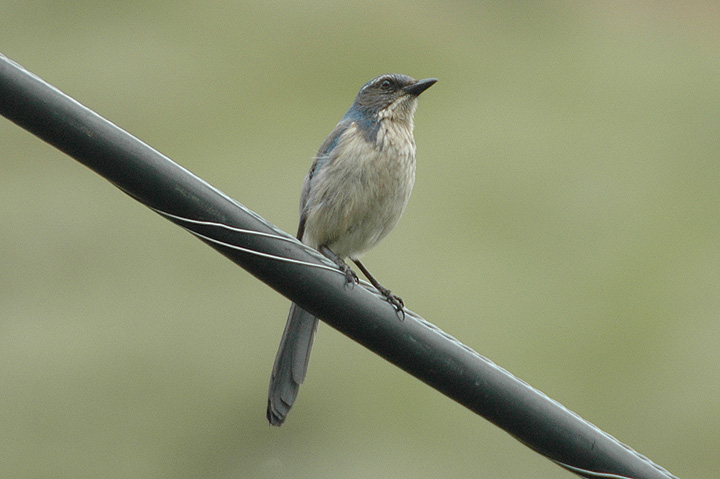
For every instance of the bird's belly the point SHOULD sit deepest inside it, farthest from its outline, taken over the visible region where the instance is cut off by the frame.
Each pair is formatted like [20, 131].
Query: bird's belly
[362, 201]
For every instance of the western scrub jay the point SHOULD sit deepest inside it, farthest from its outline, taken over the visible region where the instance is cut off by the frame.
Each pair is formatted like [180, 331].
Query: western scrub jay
[353, 195]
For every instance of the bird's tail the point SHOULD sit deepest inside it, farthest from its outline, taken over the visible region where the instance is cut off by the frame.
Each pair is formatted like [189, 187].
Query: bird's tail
[291, 363]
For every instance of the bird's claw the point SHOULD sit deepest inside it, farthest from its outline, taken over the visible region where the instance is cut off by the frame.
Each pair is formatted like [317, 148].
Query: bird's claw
[351, 277]
[395, 301]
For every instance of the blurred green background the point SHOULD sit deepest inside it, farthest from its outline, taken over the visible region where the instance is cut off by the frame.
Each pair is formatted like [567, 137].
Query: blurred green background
[564, 224]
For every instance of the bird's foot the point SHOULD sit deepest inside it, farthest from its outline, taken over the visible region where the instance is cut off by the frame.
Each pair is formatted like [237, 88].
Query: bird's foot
[351, 277]
[394, 300]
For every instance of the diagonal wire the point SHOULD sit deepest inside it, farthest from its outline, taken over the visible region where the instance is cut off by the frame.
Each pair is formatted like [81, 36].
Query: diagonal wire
[306, 278]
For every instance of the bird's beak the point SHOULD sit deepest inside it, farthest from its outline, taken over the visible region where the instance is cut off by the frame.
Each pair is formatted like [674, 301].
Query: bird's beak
[420, 86]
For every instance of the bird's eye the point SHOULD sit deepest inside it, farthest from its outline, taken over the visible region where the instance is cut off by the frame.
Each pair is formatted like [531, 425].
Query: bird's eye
[386, 85]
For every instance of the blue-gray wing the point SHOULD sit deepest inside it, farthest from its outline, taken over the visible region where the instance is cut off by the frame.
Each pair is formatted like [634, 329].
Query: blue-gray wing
[323, 157]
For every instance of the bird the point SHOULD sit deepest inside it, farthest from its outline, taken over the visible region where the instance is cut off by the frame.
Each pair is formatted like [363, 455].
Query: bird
[354, 194]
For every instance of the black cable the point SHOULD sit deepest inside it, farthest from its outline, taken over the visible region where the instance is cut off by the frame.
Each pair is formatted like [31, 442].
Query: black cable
[308, 279]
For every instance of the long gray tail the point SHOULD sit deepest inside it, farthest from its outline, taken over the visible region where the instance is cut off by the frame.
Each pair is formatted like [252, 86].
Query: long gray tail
[291, 363]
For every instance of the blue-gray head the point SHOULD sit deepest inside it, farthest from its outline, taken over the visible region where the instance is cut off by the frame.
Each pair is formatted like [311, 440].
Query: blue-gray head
[391, 96]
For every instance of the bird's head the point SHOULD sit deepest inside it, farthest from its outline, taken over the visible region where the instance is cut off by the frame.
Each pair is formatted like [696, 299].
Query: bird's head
[392, 97]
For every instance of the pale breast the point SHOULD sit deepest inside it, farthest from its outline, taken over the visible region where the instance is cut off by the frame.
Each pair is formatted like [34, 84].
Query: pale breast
[361, 194]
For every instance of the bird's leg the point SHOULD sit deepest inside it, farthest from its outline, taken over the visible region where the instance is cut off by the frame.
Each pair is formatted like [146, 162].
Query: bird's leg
[350, 275]
[396, 301]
